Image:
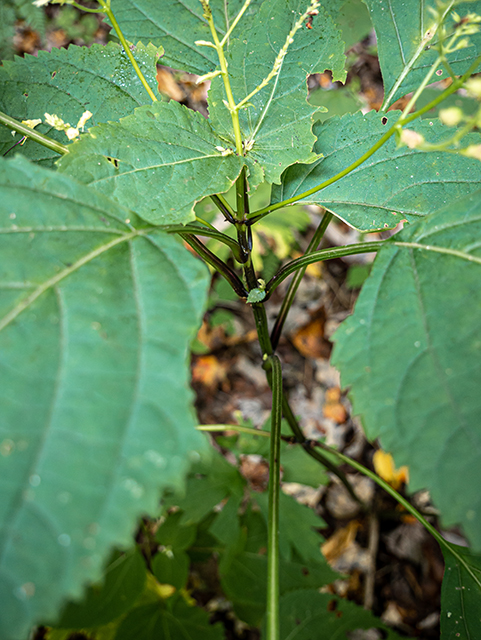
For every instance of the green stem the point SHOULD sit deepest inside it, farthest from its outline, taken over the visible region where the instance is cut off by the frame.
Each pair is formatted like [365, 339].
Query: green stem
[233, 427]
[41, 138]
[296, 281]
[82, 8]
[267, 351]
[208, 233]
[273, 591]
[405, 503]
[322, 254]
[257, 215]
[216, 263]
[224, 207]
[225, 77]
[108, 11]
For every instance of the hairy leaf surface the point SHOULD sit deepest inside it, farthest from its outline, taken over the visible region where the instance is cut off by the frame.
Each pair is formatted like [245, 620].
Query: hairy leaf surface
[95, 318]
[161, 161]
[67, 82]
[304, 613]
[176, 25]
[392, 185]
[406, 51]
[277, 126]
[461, 594]
[411, 353]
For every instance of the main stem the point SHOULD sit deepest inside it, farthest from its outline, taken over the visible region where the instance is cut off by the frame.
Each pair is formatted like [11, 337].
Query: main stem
[41, 138]
[272, 610]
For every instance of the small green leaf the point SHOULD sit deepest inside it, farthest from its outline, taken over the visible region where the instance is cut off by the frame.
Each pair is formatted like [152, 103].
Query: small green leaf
[277, 127]
[171, 567]
[304, 613]
[295, 517]
[67, 82]
[165, 621]
[161, 160]
[124, 581]
[461, 594]
[394, 184]
[405, 59]
[411, 353]
[96, 315]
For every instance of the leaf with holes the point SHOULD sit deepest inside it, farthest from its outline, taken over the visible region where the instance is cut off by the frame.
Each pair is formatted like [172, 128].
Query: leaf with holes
[277, 125]
[405, 39]
[394, 184]
[96, 316]
[161, 160]
[411, 353]
[67, 82]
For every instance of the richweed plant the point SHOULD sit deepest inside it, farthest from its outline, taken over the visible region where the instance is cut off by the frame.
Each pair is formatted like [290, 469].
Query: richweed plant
[100, 301]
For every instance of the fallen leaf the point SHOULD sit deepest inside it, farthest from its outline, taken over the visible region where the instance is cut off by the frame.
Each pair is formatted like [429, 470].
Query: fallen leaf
[209, 371]
[340, 541]
[384, 467]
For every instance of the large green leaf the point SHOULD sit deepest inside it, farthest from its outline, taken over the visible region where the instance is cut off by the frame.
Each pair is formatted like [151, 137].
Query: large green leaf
[304, 613]
[96, 316]
[176, 25]
[405, 58]
[277, 126]
[461, 594]
[392, 185]
[411, 353]
[161, 161]
[67, 82]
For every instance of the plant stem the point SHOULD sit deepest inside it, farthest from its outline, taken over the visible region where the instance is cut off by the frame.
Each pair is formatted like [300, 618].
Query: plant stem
[108, 11]
[405, 503]
[322, 254]
[225, 77]
[41, 138]
[272, 609]
[296, 281]
[258, 215]
[224, 207]
[267, 351]
[208, 233]
[215, 262]
[233, 427]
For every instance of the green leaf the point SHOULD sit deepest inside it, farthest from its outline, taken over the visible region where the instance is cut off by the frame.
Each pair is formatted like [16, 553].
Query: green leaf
[304, 613]
[392, 185]
[404, 56]
[243, 570]
[295, 517]
[7, 30]
[460, 595]
[67, 82]
[354, 21]
[96, 316]
[176, 25]
[277, 126]
[171, 567]
[165, 621]
[125, 578]
[161, 160]
[207, 485]
[411, 353]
